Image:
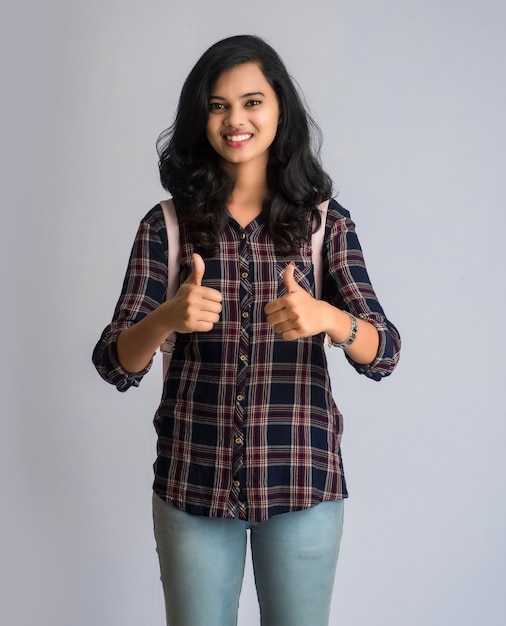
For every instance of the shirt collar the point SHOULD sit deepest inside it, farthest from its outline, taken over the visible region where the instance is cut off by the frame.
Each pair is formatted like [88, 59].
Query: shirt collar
[250, 228]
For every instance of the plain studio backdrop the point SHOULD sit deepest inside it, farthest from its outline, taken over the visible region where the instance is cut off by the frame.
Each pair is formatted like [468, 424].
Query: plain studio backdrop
[411, 99]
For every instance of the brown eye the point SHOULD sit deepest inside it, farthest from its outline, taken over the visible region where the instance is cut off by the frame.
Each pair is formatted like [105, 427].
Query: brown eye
[216, 106]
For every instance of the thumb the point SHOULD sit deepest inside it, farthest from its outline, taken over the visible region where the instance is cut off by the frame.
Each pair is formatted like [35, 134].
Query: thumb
[199, 267]
[289, 278]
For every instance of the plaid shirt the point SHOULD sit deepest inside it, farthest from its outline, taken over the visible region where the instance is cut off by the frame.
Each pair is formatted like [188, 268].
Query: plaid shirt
[247, 423]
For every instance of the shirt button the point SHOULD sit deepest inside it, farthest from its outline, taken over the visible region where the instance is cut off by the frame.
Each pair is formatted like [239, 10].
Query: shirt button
[240, 397]
[243, 358]
[238, 441]
[237, 483]
[245, 274]
[243, 236]
[245, 314]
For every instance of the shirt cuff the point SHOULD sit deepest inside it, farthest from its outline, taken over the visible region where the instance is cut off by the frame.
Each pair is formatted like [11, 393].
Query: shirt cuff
[388, 351]
[105, 359]
[120, 377]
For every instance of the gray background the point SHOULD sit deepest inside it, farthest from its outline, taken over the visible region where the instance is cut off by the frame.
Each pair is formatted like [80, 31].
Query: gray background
[411, 98]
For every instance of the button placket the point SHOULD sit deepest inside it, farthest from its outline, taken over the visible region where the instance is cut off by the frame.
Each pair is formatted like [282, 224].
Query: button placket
[245, 295]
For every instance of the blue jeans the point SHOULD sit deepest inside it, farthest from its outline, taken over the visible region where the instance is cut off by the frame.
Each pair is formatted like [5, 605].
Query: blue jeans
[202, 565]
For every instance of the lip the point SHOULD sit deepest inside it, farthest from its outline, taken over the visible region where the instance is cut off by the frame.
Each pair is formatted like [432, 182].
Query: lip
[239, 138]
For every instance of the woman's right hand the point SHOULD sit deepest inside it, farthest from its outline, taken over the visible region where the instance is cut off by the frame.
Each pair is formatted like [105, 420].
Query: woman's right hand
[194, 308]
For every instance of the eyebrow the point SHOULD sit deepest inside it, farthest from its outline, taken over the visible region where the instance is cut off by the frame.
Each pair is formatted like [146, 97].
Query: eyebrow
[246, 95]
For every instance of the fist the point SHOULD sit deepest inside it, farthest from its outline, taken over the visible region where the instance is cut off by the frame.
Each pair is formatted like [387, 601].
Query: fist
[297, 314]
[195, 308]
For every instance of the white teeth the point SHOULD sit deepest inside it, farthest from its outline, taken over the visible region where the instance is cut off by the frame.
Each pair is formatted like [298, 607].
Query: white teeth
[238, 137]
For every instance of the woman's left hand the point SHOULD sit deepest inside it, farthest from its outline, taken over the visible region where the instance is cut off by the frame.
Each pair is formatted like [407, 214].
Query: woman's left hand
[297, 314]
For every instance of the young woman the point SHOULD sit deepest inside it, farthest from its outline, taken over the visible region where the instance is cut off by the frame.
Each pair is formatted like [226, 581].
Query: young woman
[248, 432]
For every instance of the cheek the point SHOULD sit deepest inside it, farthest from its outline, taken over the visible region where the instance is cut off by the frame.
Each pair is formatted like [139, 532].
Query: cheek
[271, 123]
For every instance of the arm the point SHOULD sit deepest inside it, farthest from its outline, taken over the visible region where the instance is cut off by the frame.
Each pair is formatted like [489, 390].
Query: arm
[142, 319]
[365, 347]
[193, 309]
[298, 315]
[346, 287]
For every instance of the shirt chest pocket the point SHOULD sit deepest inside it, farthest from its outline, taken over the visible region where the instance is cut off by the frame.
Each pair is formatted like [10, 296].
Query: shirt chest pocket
[303, 274]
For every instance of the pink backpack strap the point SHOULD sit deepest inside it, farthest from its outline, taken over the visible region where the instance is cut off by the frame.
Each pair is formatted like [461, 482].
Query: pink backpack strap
[317, 240]
[173, 263]
[317, 250]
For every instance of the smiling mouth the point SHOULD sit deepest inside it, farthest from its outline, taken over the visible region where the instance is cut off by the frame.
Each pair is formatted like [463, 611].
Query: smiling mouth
[238, 138]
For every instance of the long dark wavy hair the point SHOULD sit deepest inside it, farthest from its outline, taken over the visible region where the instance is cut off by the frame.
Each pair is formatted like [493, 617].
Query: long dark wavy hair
[190, 168]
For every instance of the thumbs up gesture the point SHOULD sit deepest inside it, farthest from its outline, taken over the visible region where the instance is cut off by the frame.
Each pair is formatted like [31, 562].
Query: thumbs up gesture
[195, 308]
[297, 314]
[199, 268]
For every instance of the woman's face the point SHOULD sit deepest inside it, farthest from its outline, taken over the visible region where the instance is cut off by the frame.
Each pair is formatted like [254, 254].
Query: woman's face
[243, 116]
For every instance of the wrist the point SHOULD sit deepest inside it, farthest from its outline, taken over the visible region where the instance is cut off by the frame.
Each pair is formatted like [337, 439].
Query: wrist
[344, 330]
[160, 319]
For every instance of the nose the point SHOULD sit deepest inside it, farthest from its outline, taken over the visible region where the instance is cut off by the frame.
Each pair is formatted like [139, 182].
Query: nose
[235, 116]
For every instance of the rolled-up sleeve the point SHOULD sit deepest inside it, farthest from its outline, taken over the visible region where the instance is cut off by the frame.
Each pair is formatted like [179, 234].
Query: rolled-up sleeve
[347, 286]
[144, 289]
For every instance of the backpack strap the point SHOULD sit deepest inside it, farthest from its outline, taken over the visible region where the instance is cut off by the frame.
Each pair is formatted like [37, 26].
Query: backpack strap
[317, 254]
[173, 264]
[317, 250]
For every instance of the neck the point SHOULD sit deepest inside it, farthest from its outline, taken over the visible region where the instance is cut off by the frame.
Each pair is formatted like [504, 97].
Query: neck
[250, 190]
[250, 178]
